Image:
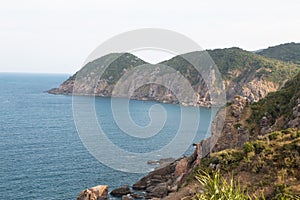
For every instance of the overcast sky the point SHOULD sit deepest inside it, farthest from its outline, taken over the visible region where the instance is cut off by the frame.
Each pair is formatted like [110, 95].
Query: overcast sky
[56, 36]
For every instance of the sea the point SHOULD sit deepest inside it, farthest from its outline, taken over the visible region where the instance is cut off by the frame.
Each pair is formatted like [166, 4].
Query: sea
[42, 155]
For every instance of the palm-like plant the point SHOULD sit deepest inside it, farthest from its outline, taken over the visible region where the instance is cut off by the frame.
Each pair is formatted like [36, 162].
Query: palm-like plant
[216, 187]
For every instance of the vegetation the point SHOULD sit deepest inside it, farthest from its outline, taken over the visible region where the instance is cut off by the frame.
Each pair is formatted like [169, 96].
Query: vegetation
[276, 104]
[269, 166]
[238, 68]
[216, 187]
[115, 64]
[289, 52]
[237, 64]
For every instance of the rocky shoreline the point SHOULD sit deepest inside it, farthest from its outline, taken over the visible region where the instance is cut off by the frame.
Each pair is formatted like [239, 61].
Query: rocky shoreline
[157, 184]
[172, 174]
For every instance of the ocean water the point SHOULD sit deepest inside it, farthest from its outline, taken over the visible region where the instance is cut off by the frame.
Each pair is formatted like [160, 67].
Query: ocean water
[42, 156]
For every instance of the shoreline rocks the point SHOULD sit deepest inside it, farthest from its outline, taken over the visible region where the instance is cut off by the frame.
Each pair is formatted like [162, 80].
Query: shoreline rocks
[99, 192]
[167, 179]
[119, 192]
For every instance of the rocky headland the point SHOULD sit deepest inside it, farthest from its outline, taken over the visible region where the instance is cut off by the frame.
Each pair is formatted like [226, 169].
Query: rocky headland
[243, 73]
[259, 140]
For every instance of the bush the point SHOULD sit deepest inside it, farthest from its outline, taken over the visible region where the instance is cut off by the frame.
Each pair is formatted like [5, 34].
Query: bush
[248, 147]
[215, 187]
[259, 146]
[275, 135]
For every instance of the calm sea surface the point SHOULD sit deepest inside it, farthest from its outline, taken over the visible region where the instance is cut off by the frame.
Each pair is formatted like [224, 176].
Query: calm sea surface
[42, 156]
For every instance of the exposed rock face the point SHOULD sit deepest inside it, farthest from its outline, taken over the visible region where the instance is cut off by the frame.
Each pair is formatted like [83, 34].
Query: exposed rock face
[253, 89]
[125, 197]
[295, 122]
[233, 133]
[243, 73]
[124, 190]
[167, 179]
[161, 162]
[99, 192]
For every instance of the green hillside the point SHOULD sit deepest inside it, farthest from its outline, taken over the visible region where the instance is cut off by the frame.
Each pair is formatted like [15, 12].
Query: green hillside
[237, 64]
[289, 52]
[268, 166]
[277, 104]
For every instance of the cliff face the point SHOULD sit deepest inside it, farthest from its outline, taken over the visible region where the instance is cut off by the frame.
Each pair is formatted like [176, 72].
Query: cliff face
[279, 110]
[242, 124]
[244, 73]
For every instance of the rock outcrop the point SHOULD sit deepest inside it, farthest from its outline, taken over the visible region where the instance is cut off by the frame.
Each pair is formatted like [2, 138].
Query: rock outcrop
[99, 192]
[167, 179]
[243, 73]
[295, 122]
[123, 190]
[234, 132]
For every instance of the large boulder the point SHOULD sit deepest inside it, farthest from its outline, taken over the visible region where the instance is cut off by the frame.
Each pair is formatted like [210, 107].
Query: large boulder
[99, 192]
[126, 197]
[158, 191]
[124, 190]
[160, 175]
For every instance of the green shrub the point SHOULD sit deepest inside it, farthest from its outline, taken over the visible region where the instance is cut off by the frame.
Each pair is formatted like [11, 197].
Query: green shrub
[215, 187]
[259, 146]
[248, 147]
[275, 135]
[287, 131]
[295, 134]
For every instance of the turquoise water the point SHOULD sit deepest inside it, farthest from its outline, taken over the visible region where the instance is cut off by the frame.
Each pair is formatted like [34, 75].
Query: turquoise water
[42, 156]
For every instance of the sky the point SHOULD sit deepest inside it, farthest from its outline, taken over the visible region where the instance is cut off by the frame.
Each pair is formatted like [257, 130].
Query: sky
[56, 36]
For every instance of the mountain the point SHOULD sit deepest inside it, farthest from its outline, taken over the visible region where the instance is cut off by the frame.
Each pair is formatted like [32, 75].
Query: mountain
[245, 121]
[251, 152]
[88, 78]
[244, 73]
[289, 52]
[280, 109]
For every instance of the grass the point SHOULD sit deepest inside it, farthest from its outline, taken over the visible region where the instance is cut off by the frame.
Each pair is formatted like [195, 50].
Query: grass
[216, 187]
[269, 166]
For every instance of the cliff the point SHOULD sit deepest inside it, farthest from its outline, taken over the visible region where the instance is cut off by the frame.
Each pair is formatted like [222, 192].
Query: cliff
[279, 110]
[258, 144]
[244, 73]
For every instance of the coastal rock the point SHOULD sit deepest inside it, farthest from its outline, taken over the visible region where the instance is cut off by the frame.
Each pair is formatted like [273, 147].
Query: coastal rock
[161, 162]
[253, 82]
[162, 173]
[233, 133]
[181, 167]
[99, 192]
[137, 196]
[159, 191]
[164, 180]
[124, 190]
[126, 197]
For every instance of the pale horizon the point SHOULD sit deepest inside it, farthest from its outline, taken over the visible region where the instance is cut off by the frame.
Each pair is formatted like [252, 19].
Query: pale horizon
[57, 36]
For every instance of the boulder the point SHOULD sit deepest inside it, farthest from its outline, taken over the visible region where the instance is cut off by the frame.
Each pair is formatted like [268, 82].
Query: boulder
[155, 177]
[119, 192]
[137, 196]
[99, 192]
[181, 167]
[158, 191]
[126, 197]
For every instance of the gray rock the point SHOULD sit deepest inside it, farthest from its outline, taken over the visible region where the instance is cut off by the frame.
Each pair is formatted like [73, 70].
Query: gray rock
[127, 197]
[159, 191]
[124, 190]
